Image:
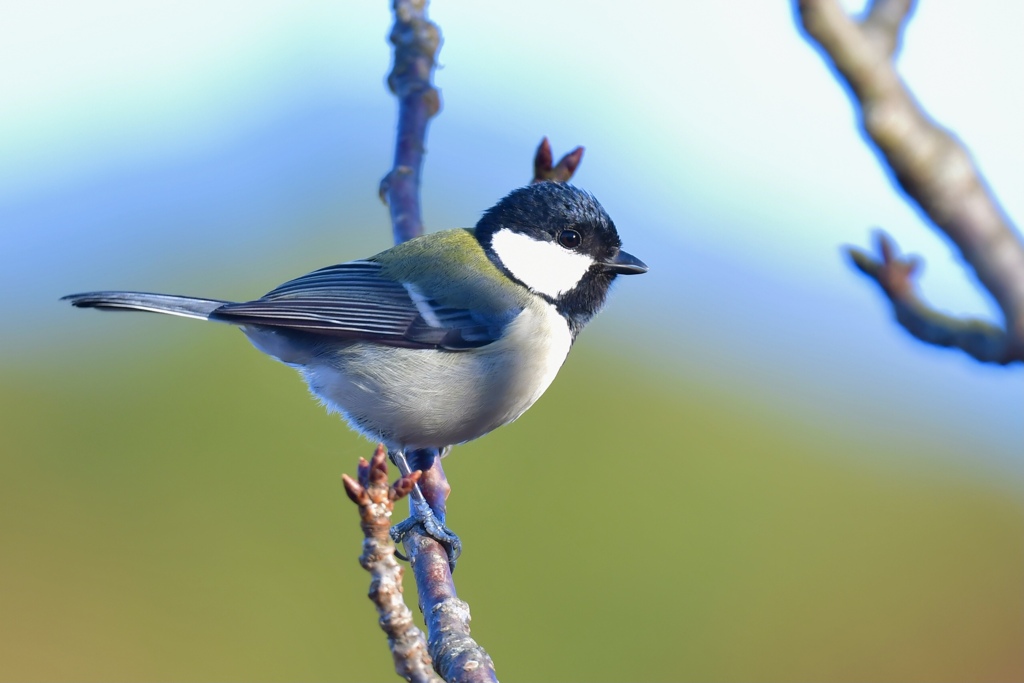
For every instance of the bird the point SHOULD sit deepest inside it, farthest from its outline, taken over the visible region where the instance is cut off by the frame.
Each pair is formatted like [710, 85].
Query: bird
[438, 340]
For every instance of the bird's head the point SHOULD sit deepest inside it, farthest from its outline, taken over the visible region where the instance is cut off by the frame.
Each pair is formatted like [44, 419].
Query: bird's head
[559, 242]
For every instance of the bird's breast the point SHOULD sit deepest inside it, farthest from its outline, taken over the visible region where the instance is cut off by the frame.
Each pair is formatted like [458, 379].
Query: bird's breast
[416, 398]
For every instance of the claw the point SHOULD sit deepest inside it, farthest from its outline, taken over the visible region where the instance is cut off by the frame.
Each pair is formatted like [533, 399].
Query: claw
[422, 516]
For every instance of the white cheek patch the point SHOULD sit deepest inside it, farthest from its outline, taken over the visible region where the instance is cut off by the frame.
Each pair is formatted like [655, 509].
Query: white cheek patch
[544, 267]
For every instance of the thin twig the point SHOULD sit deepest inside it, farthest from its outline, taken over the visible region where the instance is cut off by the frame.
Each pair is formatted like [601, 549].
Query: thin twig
[562, 172]
[895, 276]
[937, 174]
[457, 657]
[417, 41]
[376, 501]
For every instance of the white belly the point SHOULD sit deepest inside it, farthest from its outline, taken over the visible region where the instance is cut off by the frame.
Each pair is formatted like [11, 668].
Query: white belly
[412, 398]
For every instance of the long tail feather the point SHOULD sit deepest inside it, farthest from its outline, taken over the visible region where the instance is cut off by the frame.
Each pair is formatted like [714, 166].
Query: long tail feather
[185, 306]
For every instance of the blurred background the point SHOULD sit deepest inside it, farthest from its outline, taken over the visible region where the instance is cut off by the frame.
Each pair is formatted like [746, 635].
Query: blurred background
[746, 470]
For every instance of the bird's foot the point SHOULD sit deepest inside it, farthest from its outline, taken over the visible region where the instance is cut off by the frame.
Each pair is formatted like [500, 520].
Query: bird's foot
[422, 516]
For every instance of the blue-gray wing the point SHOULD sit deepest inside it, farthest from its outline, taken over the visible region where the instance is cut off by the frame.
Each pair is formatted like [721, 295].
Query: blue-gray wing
[353, 301]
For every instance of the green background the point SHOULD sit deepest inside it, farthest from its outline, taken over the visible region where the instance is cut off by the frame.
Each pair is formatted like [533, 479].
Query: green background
[180, 517]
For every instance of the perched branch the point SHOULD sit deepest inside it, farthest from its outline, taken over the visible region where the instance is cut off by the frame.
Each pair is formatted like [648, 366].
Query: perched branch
[937, 174]
[562, 172]
[457, 657]
[376, 503]
[417, 41]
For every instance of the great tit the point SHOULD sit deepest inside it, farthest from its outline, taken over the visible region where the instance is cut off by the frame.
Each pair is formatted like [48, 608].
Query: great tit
[441, 339]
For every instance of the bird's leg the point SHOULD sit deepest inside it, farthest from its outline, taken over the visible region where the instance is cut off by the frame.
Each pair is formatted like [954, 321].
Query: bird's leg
[421, 514]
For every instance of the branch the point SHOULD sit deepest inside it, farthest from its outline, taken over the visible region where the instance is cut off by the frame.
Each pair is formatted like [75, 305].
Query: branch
[376, 501]
[885, 21]
[456, 656]
[935, 172]
[982, 340]
[416, 40]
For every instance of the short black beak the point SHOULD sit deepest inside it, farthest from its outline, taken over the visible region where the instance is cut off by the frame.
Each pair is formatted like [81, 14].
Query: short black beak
[625, 264]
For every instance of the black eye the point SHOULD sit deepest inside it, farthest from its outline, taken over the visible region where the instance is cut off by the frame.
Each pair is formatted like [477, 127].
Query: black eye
[570, 239]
